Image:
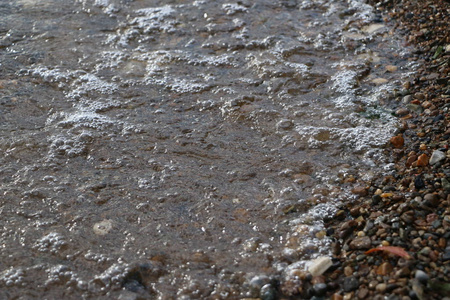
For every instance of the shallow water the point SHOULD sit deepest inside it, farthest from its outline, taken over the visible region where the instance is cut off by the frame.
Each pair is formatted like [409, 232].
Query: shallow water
[183, 149]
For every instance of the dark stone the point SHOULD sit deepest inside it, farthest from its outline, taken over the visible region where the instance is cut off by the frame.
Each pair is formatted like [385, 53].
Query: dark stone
[376, 199]
[320, 289]
[446, 255]
[350, 284]
[268, 292]
[419, 183]
[391, 287]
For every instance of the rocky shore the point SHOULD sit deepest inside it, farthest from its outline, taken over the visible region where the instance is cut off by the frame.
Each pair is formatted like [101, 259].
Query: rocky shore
[405, 217]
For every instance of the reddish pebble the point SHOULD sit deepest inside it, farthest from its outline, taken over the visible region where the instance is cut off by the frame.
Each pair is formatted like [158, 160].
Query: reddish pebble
[422, 161]
[397, 141]
[384, 269]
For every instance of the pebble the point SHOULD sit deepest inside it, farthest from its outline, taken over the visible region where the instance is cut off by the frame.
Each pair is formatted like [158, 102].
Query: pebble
[397, 141]
[381, 287]
[433, 199]
[362, 293]
[384, 269]
[422, 161]
[421, 276]
[350, 284]
[360, 191]
[361, 242]
[320, 265]
[268, 292]
[436, 157]
[320, 289]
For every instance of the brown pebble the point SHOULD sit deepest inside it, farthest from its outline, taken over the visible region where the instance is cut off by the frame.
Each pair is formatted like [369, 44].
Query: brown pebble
[362, 293]
[348, 271]
[432, 198]
[361, 242]
[442, 243]
[401, 112]
[423, 160]
[384, 269]
[373, 284]
[410, 160]
[336, 296]
[360, 191]
[397, 141]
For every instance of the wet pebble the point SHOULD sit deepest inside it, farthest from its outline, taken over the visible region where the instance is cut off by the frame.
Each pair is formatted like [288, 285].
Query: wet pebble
[320, 265]
[350, 284]
[421, 276]
[320, 289]
[363, 242]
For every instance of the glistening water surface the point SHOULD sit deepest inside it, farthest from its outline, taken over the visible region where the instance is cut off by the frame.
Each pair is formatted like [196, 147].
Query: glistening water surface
[183, 149]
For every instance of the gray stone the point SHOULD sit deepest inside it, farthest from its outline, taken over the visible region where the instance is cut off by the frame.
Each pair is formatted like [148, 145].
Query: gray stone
[436, 157]
[422, 277]
[320, 289]
[350, 284]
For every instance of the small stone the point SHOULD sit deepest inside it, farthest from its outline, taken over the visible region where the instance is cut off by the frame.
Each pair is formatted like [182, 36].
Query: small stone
[401, 112]
[362, 242]
[373, 284]
[320, 265]
[433, 199]
[391, 68]
[422, 277]
[381, 287]
[336, 296]
[376, 199]
[415, 108]
[348, 271]
[397, 141]
[384, 269]
[360, 191]
[350, 284]
[379, 80]
[436, 157]
[419, 183]
[423, 160]
[445, 184]
[320, 289]
[268, 292]
[362, 293]
[407, 99]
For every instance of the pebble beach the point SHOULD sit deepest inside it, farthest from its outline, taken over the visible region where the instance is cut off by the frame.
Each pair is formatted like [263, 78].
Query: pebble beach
[404, 218]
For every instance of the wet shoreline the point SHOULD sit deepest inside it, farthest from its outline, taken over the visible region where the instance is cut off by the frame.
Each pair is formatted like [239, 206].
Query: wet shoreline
[409, 210]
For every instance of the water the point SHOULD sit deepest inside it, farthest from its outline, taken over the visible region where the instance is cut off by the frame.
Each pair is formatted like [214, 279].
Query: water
[183, 149]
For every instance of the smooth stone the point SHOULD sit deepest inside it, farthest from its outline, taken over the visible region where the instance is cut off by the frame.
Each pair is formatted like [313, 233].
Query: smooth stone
[362, 293]
[320, 265]
[362, 242]
[437, 156]
[381, 287]
[320, 289]
[445, 184]
[268, 292]
[422, 277]
[415, 108]
[432, 198]
[350, 284]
